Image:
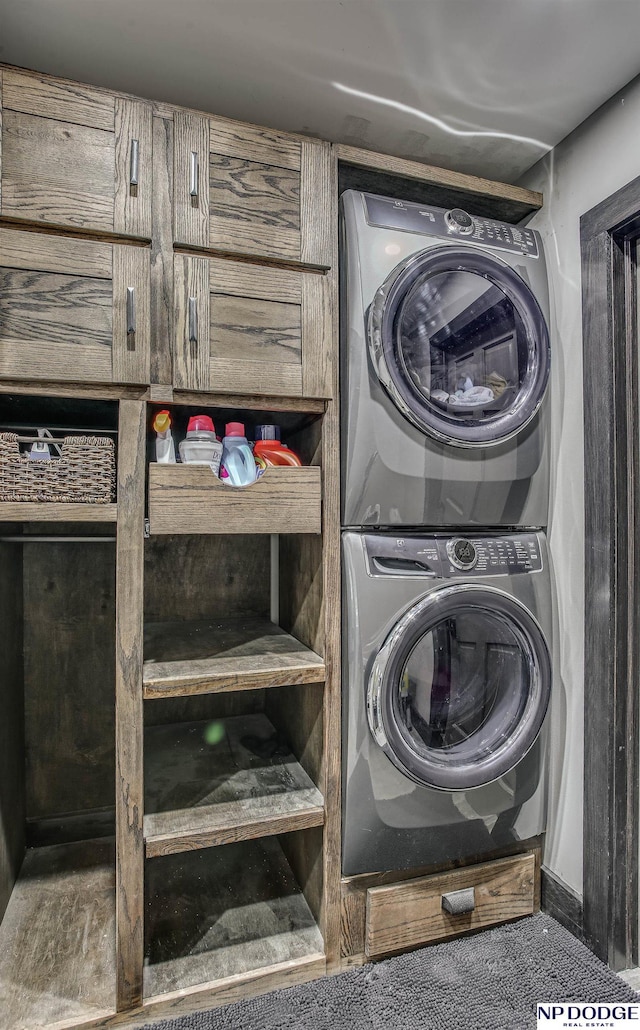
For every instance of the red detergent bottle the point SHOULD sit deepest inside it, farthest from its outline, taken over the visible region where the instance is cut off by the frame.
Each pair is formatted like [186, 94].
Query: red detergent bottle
[269, 447]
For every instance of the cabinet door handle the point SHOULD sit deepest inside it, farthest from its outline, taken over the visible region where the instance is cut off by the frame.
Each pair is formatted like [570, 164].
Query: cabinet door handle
[131, 310]
[133, 162]
[459, 902]
[193, 174]
[193, 320]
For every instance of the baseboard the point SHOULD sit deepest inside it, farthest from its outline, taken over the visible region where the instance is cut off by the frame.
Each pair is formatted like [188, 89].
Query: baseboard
[562, 903]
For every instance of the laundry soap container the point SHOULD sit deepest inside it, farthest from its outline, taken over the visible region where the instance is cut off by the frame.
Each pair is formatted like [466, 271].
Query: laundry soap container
[238, 467]
[269, 447]
[201, 445]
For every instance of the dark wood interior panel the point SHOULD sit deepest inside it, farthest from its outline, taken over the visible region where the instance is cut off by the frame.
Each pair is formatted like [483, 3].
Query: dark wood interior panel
[69, 644]
[297, 712]
[301, 589]
[303, 849]
[202, 577]
[12, 799]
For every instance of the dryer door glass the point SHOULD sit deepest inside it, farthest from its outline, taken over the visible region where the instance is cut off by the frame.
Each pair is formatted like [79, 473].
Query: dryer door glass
[464, 344]
[464, 684]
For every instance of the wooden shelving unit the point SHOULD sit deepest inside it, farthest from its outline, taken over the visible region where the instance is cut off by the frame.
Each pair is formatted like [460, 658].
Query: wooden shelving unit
[217, 782]
[183, 658]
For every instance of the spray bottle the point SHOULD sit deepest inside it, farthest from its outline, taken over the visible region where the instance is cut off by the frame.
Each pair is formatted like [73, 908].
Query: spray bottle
[165, 447]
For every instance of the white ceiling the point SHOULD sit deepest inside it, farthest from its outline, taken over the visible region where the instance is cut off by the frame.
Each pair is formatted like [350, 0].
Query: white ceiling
[481, 86]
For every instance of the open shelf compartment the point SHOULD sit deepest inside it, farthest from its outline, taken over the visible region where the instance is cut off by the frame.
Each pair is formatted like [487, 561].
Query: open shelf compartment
[57, 939]
[203, 656]
[227, 913]
[213, 782]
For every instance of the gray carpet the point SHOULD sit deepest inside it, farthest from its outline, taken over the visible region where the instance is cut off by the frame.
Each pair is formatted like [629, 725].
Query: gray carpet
[490, 981]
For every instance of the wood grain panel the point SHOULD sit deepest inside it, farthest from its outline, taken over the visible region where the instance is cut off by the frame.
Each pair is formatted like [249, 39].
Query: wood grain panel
[30, 250]
[227, 654]
[254, 143]
[405, 915]
[129, 715]
[318, 345]
[249, 329]
[57, 939]
[69, 632]
[162, 316]
[132, 204]
[57, 173]
[317, 188]
[54, 326]
[191, 357]
[191, 214]
[131, 353]
[12, 754]
[42, 511]
[439, 176]
[249, 376]
[191, 499]
[58, 99]
[240, 279]
[1, 111]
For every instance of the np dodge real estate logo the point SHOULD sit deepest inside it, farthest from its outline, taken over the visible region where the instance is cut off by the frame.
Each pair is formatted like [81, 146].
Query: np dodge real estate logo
[578, 1015]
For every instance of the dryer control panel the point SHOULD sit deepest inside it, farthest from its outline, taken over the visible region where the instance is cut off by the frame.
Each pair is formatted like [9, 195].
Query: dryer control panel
[467, 557]
[450, 224]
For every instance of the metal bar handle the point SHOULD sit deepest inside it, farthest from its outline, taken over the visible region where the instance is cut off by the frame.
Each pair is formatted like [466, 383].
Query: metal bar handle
[131, 310]
[193, 320]
[133, 162]
[193, 174]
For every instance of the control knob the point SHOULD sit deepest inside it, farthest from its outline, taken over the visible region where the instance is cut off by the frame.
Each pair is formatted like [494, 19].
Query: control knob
[462, 554]
[459, 221]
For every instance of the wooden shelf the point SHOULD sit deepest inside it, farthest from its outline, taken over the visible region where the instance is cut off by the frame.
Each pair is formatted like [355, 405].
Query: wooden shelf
[191, 499]
[232, 654]
[45, 511]
[222, 913]
[210, 783]
[57, 939]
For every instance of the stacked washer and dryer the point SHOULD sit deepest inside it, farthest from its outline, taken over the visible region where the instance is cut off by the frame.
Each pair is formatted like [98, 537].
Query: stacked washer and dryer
[446, 583]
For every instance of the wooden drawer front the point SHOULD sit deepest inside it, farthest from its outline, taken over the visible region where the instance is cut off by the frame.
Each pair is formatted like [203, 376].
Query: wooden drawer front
[63, 309]
[191, 499]
[259, 330]
[67, 156]
[408, 914]
[258, 192]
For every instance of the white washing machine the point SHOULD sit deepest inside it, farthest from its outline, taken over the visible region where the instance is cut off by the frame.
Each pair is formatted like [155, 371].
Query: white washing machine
[444, 368]
[446, 686]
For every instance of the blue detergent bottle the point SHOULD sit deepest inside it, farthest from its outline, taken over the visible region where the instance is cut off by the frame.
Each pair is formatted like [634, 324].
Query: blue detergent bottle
[237, 457]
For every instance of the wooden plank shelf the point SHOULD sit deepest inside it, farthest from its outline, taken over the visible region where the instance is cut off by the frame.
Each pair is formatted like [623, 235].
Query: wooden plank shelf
[211, 783]
[191, 499]
[57, 939]
[47, 511]
[202, 657]
[225, 913]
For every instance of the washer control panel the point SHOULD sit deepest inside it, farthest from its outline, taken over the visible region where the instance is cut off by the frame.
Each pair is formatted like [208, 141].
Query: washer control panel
[453, 224]
[467, 557]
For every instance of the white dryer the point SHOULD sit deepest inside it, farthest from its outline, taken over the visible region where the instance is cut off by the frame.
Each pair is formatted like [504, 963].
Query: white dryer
[445, 362]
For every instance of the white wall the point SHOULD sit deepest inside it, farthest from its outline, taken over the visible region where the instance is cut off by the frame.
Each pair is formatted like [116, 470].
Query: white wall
[598, 158]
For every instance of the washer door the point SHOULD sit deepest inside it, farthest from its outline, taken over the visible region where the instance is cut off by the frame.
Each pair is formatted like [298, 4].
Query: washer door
[458, 692]
[460, 344]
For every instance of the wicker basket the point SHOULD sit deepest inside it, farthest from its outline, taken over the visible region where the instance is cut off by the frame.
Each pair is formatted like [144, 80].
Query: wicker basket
[85, 471]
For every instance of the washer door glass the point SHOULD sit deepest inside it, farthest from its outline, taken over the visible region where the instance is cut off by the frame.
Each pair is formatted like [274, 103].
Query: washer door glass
[464, 344]
[459, 691]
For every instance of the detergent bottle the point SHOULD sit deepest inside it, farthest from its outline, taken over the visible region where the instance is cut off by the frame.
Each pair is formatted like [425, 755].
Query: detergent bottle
[269, 447]
[165, 447]
[238, 467]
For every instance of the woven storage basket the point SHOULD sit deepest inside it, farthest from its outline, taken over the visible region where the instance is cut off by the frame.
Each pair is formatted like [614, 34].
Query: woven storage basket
[85, 471]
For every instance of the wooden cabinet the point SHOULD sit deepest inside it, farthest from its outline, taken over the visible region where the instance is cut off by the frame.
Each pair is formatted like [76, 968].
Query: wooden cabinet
[75, 157]
[252, 191]
[252, 329]
[73, 310]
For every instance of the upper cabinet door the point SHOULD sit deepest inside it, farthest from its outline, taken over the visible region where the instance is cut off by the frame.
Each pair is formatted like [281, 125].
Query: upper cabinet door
[244, 190]
[73, 310]
[75, 157]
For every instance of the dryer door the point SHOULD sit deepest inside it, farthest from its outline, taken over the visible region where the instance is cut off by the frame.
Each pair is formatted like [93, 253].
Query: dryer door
[460, 343]
[458, 692]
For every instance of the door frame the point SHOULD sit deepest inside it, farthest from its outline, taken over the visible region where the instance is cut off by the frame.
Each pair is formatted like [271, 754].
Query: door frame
[608, 233]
